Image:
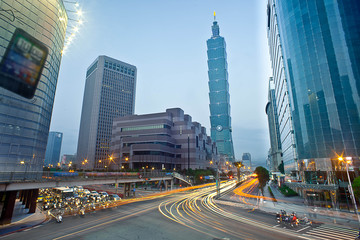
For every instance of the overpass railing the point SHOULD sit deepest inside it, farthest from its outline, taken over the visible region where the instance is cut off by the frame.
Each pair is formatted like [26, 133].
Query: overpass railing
[43, 176]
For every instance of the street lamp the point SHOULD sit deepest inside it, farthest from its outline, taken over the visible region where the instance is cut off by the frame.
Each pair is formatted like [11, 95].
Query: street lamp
[347, 162]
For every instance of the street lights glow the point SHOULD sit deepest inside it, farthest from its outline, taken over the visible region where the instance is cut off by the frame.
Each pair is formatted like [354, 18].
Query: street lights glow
[22, 162]
[348, 161]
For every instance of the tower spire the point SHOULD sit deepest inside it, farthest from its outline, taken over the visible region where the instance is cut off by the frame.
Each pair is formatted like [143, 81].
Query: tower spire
[215, 27]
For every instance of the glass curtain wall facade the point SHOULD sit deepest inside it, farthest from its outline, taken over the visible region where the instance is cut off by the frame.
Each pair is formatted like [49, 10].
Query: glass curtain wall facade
[320, 42]
[109, 93]
[220, 120]
[53, 148]
[281, 92]
[274, 133]
[24, 123]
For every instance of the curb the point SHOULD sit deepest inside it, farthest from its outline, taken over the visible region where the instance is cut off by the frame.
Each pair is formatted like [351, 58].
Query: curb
[22, 229]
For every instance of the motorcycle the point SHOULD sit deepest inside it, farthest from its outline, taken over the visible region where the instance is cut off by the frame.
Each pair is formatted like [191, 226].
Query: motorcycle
[305, 221]
[287, 220]
[58, 218]
[278, 217]
[82, 211]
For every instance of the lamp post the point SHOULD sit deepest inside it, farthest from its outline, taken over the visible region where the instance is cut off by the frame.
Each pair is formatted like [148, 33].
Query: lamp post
[217, 179]
[347, 162]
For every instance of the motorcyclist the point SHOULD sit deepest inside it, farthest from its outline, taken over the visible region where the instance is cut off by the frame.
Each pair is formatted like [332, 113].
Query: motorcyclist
[58, 218]
[278, 217]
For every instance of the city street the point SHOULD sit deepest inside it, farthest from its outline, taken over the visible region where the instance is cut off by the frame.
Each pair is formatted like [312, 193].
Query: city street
[186, 215]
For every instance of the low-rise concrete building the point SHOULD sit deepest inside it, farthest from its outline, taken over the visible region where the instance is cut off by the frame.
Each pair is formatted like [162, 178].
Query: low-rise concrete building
[163, 141]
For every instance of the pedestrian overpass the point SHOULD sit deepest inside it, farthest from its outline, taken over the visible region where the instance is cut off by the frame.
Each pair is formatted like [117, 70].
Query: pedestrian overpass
[28, 190]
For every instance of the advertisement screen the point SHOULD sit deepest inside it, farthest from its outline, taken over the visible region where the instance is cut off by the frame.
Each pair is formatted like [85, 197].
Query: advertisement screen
[22, 64]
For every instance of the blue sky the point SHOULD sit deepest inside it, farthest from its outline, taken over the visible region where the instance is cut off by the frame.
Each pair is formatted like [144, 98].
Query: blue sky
[166, 41]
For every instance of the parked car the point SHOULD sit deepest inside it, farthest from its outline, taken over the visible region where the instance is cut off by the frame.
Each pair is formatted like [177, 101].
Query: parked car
[115, 197]
[104, 195]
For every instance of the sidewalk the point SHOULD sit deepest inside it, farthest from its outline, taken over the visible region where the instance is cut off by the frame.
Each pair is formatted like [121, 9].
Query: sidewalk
[22, 220]
[296, 204]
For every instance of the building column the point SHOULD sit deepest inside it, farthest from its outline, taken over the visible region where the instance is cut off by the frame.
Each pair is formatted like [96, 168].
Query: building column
[172, 184]
[28, 198]
[126, 190]
[8, 207]
[166, 185]
[34, 196]
[20, 195]
[24, 196]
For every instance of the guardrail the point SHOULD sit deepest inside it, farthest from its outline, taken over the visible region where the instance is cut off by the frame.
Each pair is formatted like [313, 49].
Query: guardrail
[44, 176]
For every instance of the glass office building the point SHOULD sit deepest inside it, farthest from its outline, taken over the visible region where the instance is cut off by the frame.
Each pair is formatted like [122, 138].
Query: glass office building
[274, 132]
[320, 46]
[53, 148]
[24, 123]
[109, 93]
[281, 94]
[220, 119]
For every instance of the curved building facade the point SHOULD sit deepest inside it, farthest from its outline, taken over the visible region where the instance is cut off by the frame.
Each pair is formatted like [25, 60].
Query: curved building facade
[24, 123]
[220, 119]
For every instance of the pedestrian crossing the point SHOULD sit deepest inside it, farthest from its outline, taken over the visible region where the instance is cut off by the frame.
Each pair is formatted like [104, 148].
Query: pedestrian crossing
[330, 232]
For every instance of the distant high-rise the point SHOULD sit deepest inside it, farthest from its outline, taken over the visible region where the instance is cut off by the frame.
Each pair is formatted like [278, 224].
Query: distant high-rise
[53, 148]
[219, 93]
[24, 123]
[246, 159]
[109, 93]
[274, 133]
[315, 53]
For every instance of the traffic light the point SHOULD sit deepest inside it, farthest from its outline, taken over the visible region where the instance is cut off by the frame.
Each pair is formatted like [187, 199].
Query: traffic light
[201, 177]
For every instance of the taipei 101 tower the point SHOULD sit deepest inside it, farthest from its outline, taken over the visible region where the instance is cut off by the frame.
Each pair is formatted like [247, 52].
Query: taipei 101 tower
[219, 94]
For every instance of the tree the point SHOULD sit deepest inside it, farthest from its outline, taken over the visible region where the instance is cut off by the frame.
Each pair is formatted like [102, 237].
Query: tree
[356, 187]
[238, 165]
[281, 167]
[263, 176]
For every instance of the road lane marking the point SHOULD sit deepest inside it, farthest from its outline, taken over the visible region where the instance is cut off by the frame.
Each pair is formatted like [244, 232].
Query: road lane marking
[303, 229]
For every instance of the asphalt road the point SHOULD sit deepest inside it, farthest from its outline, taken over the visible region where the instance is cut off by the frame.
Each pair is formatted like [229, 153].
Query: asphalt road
[185, 215]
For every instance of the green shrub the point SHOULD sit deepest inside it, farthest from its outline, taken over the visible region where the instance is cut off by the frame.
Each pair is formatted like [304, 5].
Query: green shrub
[287, 192]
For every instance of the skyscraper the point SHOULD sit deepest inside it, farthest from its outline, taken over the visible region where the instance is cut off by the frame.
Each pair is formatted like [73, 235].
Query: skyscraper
[315, 53]
[282, 96]
[220, 119]
[109, 93]
[274, 133]
[53, 148]
[24, 123]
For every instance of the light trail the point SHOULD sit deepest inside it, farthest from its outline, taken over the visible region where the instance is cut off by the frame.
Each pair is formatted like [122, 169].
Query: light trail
[208, 217]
